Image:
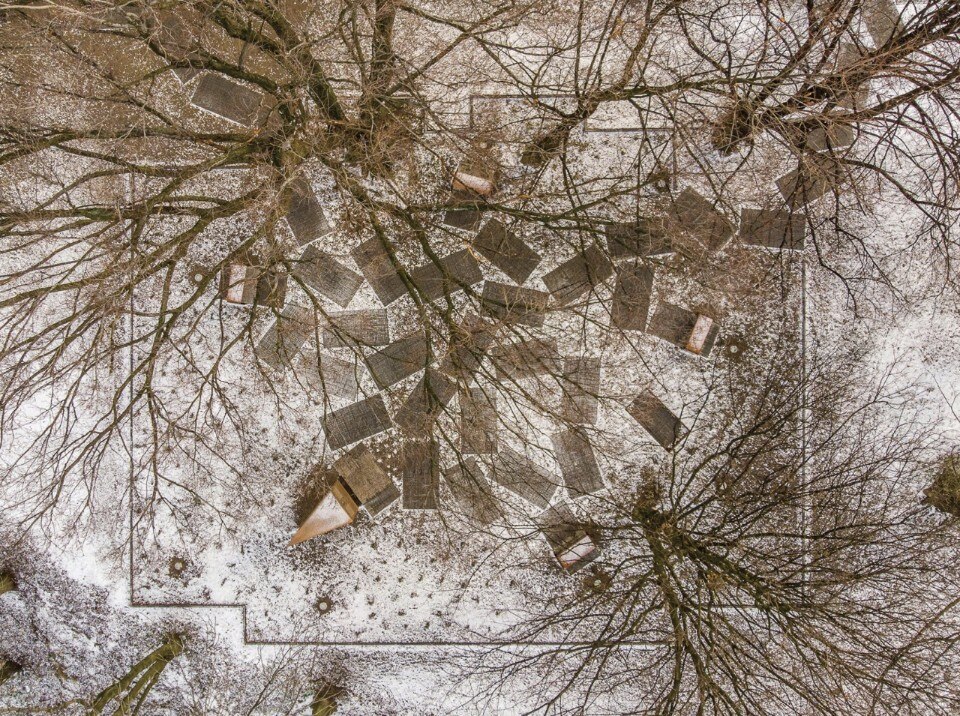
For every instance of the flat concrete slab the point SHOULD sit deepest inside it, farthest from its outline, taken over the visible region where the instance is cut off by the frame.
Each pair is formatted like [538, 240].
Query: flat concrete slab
[455, 271]
[514, 304]
[581, 386]
[353, 329]
[657, 419]
[578, 464]
[420, 470]
[356, 422]
[375, 265]
[773, 228]
[523, 477]
[578, 275]
[697, 216]
[399, 360]
[631, 297]
[327, 276]
[227, 99]
[305, 217]
[504, 250]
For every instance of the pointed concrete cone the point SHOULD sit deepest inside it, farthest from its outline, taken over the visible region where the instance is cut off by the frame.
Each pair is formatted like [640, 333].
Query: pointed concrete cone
[336, 509]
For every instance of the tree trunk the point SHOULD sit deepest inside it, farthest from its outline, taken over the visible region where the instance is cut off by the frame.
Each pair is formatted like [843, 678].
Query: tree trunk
[7, 582]
[324, 702]
[11, 668]
[132, 689]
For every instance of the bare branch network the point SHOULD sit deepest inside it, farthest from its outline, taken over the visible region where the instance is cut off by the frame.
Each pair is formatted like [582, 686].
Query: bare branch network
[527, 332]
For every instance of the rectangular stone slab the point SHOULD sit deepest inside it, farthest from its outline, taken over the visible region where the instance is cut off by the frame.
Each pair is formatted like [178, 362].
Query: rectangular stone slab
[421, 475]
[504, 250]
[657, 419]
[533, 356]
[272, 288]
[305, 216]
[471, 491]
[327, 276]
[425, 402]
[514, 304]
[773, 228]
[631, 297]
[817, 175]
[580, 386]
[578, 275]
[559, 527]
[464, 214]
[375, 265]
[572, 547]
[882, 20]
[478, 421]
[578, 464]
[676, 324]
[523, 477]
[833, 136]
[329, 376]
[366, 480]
[467, 346]
[697, 216]
[350, 329]
[356, 421]
[285, 337]
[455, 271]
[228, 99]
[398, 360]
[644, 237]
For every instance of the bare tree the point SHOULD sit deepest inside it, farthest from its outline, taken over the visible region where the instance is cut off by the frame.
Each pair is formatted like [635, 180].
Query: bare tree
[162, 162]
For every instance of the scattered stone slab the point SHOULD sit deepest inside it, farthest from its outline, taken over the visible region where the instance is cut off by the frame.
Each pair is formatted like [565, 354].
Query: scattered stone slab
[817, 175]
[578, 464]
[305, 217]
[581, 386]
[526, 358]
[468, 345]
[856, 91]
[504, 250]
[697, 216]
[426, 401]
[375, 265]
[285, 337]
[465, 215]
[421, 475]
[694, 332]
[882, 20]
[366, 480]
[227, 99]
[330, 376]
[471, 492]
[244, 281]
[523, 477]
[399, 360]
[578, 275]
[657, 419]
[572, 546]
[514, 304]
[831, 136]
[455, 271]
[356, 421]
[773, 228]
[642, 238]
[352, 329]
[327, 276]
[478, 422]
[631, 296]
